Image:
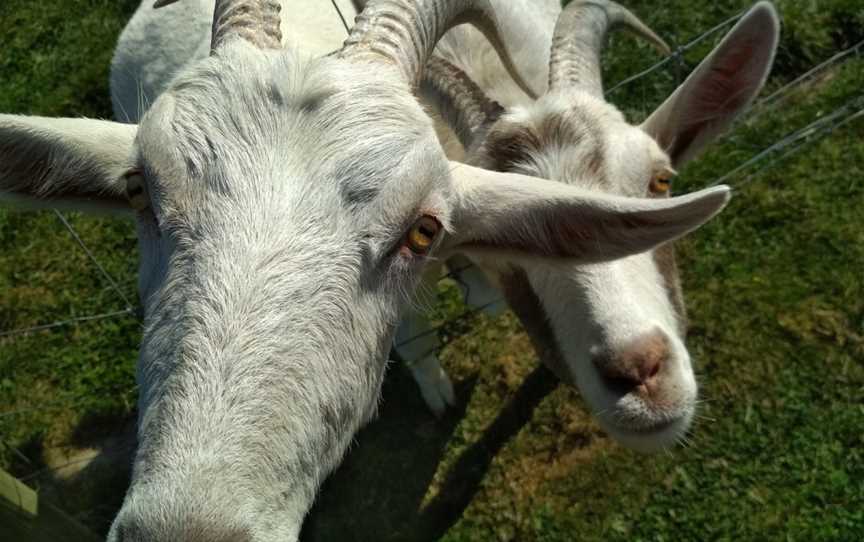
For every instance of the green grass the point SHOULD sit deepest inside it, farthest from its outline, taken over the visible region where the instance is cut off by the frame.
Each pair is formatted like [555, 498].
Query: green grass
[53, 61]
[775, 290]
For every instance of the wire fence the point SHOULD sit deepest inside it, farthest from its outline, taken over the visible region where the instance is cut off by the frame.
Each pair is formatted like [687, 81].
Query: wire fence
[792, 143]
[779, 150]
[677, 56]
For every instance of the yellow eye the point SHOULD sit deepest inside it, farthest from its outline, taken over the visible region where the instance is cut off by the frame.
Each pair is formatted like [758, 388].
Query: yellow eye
[136, 191]
[662, 182]
[422, 234]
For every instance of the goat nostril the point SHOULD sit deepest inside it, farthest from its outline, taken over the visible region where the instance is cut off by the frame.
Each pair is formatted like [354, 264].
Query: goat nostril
[620, 377]
[650, 368]
[621, 385]
[636, 367]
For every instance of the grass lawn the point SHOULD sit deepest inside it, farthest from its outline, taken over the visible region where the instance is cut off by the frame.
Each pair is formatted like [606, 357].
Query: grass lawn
[774, 286]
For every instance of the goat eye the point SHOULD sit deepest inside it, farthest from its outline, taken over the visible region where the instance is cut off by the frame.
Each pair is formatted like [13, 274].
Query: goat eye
[661, 183]
[422, 234]
[136, 190]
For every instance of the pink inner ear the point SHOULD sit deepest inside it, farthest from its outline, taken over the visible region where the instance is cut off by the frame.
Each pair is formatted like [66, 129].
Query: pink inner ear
[721, 93]
[730, 82]
[719, 89]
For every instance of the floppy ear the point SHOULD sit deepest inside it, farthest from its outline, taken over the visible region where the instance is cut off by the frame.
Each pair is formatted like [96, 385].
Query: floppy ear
[719, 89]
[71, 163]
[517, 216]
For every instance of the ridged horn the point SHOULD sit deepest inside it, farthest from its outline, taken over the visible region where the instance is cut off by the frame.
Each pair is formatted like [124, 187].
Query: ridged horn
[459, 100]
[405, 32]
[579, 38]
[256, 21]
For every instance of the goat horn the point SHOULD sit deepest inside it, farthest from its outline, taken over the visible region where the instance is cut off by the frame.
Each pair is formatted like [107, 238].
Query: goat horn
[405, 32]
[579, 37]
[461, 102]
[257, 21]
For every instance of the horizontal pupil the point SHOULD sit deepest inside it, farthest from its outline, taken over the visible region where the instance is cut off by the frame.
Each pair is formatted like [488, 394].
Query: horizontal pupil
[426, 231]
[135, 191]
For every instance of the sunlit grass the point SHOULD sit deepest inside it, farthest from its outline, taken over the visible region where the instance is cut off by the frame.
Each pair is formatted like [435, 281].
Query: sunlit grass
[774, 288]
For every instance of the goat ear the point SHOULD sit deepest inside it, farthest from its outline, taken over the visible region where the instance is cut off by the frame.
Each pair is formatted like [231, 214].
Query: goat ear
[71, 163]
[519, 216]
[719, 89]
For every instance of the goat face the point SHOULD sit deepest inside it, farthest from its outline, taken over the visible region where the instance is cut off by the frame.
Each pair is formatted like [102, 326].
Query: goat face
[274, 262]
[285, 209]
[617, 328]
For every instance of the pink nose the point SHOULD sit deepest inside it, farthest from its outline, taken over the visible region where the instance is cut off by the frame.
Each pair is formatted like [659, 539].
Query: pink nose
[638, 366]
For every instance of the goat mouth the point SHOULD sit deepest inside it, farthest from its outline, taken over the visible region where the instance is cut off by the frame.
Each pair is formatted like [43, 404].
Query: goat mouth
[653, 428]
[651, 437]
[635, 429]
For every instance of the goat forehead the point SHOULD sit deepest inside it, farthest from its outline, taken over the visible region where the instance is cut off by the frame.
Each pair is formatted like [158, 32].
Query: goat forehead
[636, 155]
[567, 145]
[290, 120]
[558, 122]
[578, 140]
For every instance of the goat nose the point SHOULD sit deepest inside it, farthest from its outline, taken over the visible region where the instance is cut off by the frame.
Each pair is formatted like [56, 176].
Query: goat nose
[638, 365]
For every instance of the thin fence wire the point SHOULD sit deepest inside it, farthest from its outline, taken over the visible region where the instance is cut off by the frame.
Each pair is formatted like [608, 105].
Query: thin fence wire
[70, 321]
[677, 54]
[821, 127]
[676, 57]
[15, 451]
[129, 310]
[93, 259]
[42, 405]
[55, 468]
[787, 146]
[341, 17]
[767, 103]
[771, 155]
[778, 151]
[461, 317]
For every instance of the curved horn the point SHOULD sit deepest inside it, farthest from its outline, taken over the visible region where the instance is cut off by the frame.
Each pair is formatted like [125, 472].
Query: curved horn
[579, 37]
[459, 100]
[257, 21]
[405, 32]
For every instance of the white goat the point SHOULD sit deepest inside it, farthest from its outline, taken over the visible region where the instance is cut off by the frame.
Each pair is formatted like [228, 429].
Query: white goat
[616, 329]
[285, 208]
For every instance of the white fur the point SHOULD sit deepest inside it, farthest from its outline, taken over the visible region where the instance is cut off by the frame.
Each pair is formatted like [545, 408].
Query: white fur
[146, 59]
[281, 187]
[606, 306]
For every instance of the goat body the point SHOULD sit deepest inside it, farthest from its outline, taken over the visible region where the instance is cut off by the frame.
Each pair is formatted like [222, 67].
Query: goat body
[286, 207]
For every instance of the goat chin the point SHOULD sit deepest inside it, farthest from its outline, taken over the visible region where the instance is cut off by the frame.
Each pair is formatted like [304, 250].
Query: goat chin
[662, 437]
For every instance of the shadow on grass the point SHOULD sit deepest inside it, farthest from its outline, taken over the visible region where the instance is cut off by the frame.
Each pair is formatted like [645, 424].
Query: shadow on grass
[86, 477]
[95, 492]
[376, 494]
[464, 477]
